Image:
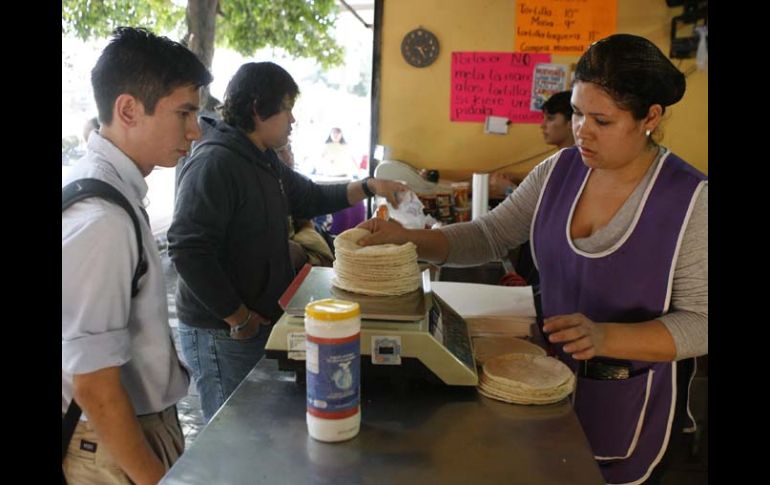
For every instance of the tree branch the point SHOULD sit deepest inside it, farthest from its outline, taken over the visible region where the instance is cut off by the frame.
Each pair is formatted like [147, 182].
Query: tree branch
[343, 2]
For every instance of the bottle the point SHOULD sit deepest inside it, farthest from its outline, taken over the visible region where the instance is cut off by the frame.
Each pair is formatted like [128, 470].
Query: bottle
[382, 212]
[333, 369]
[702, 54]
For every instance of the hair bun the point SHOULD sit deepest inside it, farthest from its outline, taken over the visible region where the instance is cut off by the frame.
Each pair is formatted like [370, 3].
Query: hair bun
[631, 66]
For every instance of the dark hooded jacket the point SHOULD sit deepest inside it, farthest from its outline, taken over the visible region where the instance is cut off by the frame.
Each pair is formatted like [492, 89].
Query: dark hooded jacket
[229, 236]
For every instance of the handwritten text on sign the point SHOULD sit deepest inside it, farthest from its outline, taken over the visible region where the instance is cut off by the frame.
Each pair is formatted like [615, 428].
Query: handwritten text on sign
[565, 27]
[494, 84]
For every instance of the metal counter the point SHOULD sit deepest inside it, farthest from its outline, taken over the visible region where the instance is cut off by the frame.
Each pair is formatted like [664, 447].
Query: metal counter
[410, 433]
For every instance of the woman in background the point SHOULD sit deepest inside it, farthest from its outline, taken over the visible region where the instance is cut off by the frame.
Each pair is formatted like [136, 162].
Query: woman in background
[336, 159]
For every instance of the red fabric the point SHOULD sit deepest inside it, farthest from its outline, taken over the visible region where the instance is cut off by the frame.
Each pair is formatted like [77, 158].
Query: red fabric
[512, 279]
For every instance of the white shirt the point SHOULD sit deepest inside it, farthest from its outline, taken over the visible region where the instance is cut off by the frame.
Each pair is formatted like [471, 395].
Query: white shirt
[102, 326]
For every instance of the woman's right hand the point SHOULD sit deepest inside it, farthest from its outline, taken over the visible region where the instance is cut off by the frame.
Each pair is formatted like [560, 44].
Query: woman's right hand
[383, 232]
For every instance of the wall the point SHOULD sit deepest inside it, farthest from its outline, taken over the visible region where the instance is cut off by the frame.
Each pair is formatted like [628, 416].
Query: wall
[414, 102]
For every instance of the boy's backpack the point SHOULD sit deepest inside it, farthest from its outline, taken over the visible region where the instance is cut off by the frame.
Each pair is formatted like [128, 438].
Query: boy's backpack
[88, 187]
[75, 192]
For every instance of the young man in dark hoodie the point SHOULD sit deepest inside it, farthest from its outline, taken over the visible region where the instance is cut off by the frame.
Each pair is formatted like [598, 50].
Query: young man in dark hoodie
[229, 236]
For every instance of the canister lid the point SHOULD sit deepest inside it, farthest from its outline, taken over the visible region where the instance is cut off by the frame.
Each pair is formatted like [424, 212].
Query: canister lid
[332, 309]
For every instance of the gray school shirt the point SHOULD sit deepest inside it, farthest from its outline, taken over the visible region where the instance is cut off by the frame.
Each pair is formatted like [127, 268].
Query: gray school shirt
[102, 326]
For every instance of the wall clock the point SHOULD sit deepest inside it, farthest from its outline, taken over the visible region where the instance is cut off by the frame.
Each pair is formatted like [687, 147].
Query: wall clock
[419, 47]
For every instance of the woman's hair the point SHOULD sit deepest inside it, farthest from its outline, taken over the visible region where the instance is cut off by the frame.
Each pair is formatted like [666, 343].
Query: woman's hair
[338, 130]
[257, 88]
[633, 71]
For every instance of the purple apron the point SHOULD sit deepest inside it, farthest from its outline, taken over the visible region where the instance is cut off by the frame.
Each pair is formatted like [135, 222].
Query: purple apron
[627, 422]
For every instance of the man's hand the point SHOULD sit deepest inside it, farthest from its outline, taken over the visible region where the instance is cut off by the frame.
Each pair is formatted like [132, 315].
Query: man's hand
[104, 400]
[244, 323]
[499, 183]
[390, 189]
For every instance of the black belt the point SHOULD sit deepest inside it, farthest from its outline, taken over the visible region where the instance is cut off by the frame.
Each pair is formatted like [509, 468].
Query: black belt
[605, 371]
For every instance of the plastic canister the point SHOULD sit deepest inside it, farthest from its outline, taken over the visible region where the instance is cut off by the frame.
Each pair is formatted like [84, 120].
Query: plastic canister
[428, 203]
[382, 212]
[462, 215]
[443, 198]
[461, 194]
[333, 369]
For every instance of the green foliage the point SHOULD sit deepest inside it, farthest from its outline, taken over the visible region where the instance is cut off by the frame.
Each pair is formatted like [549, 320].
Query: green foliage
[70, 149]
[302, 28]
[98, 18]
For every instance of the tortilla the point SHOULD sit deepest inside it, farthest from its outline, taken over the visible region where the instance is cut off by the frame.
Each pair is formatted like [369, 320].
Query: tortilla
[487, 347]
[381, 270]
[526, 379]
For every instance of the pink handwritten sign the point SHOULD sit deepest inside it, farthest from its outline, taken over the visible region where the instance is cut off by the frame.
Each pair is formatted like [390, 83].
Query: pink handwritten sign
[494, 84]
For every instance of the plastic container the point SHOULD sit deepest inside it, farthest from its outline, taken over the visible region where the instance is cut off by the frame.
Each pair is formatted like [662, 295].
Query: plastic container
[428, 202]
[333, 369]
[463, 215]
[461, 194]
[444, 212]
[382, 212]
[443, 198]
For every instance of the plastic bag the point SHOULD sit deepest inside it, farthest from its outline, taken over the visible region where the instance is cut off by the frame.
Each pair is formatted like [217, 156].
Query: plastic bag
[409, 213]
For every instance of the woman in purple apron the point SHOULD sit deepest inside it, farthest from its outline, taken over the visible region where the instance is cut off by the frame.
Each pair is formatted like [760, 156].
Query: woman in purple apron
[618, 226]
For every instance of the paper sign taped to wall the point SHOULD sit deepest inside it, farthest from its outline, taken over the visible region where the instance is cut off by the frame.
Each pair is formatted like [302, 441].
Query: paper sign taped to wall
[547, 80]
[496, 124]
[494, 84]
[564, 27]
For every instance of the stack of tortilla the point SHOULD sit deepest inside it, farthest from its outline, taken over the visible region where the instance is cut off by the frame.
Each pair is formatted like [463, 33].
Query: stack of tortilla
[485, 348]
[381, 270]
[526, 379]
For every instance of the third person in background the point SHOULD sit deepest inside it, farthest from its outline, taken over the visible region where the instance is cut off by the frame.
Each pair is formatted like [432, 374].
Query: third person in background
[557, 131]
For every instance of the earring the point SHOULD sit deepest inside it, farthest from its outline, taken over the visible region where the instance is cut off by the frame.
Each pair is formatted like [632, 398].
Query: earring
[647, 132]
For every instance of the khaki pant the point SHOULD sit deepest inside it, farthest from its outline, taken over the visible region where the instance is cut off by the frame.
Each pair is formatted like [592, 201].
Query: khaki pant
[86, 464]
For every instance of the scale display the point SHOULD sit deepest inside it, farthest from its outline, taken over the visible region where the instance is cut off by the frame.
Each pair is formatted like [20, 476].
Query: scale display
[449, 328]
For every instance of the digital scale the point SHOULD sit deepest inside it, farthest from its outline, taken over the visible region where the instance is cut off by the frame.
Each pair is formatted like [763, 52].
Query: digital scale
[415, 335]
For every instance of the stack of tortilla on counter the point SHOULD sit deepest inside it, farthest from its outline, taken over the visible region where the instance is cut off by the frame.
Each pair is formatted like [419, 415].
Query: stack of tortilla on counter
[381, 270]
[526, 379]
[485, 348]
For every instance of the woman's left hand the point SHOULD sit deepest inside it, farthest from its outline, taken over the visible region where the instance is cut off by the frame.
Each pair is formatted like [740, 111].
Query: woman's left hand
[389, 189]
[581, 337]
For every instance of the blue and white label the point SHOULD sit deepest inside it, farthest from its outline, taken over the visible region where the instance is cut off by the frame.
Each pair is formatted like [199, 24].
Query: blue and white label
[333, 376]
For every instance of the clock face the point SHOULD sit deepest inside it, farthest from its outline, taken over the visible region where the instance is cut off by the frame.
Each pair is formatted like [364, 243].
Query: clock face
[419, 48]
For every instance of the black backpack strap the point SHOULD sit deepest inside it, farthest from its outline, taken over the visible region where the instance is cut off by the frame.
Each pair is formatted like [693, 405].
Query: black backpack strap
[89, 187]
[68, 424]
